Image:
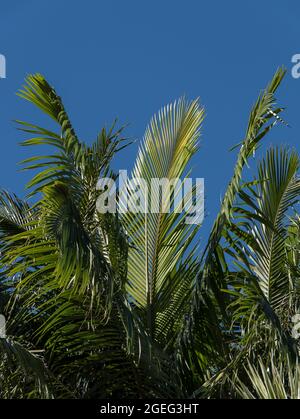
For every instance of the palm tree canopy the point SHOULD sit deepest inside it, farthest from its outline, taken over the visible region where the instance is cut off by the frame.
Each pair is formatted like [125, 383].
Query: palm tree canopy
[124, 304]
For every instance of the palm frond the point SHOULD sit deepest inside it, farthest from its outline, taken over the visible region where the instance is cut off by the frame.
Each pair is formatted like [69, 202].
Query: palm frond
[160, 239]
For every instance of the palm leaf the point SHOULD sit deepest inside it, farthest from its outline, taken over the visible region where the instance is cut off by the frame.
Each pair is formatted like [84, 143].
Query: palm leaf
[160, 239]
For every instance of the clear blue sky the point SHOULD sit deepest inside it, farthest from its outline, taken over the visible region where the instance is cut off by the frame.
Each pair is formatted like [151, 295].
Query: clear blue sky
[125, 59]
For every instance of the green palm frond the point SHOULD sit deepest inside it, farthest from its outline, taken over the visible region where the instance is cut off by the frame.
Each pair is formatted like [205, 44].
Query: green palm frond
[15, 214]
[208, 295]
[260, 233]
[278, 193]
[278, 380]
[261, 121]
[159, 240]
[30, 377]
[74, 162]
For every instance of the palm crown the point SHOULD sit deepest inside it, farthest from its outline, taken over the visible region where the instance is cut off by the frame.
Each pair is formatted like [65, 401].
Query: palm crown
[124, 304]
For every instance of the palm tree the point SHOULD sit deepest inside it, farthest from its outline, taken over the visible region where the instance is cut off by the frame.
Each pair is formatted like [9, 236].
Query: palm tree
[124, 305]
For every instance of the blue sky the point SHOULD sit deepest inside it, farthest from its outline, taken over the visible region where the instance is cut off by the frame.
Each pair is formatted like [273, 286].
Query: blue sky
[126, 59]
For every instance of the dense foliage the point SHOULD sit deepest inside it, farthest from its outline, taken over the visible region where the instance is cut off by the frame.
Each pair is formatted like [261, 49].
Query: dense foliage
[126, 305]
